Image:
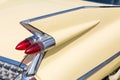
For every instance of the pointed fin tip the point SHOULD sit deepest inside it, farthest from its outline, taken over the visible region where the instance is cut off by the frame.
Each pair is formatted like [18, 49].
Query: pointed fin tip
[87, 27]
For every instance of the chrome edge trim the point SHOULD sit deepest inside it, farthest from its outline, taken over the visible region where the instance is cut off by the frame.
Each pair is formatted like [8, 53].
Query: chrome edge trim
[88, 74]
[13, 62]
[66, 11]
[34, 66]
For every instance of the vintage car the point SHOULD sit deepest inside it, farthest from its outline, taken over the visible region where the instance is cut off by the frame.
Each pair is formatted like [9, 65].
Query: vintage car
[64, 39]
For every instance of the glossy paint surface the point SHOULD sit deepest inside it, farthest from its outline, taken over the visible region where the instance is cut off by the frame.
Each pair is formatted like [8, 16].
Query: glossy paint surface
[85, 38]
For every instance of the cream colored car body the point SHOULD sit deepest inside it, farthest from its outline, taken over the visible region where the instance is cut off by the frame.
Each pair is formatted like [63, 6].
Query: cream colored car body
[84, 38]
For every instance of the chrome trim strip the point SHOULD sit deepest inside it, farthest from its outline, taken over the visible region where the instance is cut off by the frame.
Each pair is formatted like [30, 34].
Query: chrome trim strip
[65, 11]
[34, 66]
[32, 29]
[88, 74]
[10, 61]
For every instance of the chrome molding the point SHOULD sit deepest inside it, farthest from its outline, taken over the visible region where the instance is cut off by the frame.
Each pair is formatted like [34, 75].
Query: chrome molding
[10, 61]
[91, 72]
[33, 68]
[66, 11]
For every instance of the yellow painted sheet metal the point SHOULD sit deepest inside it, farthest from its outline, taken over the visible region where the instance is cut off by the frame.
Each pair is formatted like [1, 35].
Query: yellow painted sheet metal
[12, 12]
[68, 25]
[73, 60]
[76, 56]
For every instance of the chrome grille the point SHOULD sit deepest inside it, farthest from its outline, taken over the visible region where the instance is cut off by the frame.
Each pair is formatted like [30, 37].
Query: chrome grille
[10, 69]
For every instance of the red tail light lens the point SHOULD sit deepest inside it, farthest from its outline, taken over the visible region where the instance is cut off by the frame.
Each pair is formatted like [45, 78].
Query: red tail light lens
[37, 47]
[23, 45]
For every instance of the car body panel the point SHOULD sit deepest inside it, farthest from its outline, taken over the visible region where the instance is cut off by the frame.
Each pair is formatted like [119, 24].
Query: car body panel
[74, 54]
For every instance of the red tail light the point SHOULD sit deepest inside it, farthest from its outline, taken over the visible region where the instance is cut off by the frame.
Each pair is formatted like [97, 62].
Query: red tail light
[24, 44]
[37, 47]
